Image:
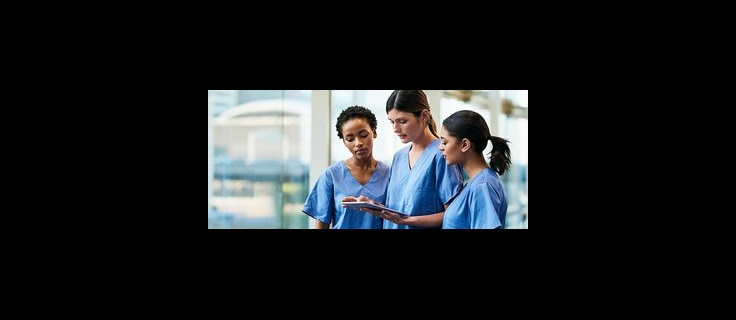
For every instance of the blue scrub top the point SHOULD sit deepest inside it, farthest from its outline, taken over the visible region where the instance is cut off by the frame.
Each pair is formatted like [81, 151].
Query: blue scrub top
[423, 189]
[336, 183]
[481, 205]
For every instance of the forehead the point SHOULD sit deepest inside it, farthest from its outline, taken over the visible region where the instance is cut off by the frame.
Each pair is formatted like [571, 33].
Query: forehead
[395, 114]
[446, 134]
[355, 124]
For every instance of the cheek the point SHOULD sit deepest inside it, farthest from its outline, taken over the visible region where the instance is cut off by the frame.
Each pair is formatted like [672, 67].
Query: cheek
[452, 150]
[409, 129]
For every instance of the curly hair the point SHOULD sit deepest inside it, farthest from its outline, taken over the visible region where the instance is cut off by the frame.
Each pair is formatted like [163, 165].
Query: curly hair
[355, 112]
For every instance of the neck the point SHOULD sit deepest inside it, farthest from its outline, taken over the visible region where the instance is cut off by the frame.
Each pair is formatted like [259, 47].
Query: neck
[421, 142]
[475, 164]
[364, 164]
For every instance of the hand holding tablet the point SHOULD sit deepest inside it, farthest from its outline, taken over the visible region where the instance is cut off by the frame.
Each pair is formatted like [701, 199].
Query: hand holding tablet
[362, 204]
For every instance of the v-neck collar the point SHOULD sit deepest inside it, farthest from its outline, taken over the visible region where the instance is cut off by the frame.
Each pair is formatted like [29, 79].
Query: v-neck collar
[408, 157]
[345, 167]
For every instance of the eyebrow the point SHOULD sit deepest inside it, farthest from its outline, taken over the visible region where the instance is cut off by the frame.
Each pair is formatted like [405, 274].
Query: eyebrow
[361, 130]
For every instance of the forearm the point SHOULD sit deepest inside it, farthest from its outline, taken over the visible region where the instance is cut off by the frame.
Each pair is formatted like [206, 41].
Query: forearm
[426, 221]
[320, 225]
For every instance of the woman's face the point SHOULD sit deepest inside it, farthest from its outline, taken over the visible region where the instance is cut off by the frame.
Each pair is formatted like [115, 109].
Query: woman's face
[405, 125]
[358, 138]
[450, 147]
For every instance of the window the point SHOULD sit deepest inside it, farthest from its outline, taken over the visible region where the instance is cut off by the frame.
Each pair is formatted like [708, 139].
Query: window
[259, 158]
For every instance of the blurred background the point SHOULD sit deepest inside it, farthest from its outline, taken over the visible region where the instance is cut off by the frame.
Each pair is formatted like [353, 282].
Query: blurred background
[266, 148]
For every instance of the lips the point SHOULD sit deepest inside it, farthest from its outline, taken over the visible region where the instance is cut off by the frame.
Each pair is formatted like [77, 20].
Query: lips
[361, 151]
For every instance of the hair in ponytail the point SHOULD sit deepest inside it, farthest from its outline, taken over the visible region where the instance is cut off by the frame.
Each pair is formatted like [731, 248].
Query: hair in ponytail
[432, 126]
[466, 124]
[500, 159]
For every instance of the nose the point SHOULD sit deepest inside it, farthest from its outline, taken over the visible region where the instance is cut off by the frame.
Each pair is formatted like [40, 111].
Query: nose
[396, 127]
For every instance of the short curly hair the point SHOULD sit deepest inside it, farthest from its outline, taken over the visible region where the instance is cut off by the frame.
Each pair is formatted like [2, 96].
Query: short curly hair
[355, 112]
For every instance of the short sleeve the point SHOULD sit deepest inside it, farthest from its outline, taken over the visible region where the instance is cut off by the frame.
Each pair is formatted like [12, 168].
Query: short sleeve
[319, 204]
[483, 214]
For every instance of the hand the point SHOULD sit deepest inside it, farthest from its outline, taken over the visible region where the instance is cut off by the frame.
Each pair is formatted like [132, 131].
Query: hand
[357, 199]
[362, 198]
[393, 217]
[366, 199]
[349, 199]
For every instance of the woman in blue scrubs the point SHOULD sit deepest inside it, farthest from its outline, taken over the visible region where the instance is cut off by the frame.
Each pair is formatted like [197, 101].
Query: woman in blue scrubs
[482, 203]
[421, 183]
[361, 174]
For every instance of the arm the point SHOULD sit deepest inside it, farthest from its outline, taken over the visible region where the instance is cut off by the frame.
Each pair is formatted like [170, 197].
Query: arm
[433, 220]
[320, 204]
[321, 225]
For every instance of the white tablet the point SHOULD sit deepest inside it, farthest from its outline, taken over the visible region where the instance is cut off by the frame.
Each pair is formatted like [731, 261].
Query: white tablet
[361, 204]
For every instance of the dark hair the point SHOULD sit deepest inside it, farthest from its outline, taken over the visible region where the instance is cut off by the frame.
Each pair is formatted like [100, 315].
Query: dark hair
[356, 112]
[466, 124]
[413, 101]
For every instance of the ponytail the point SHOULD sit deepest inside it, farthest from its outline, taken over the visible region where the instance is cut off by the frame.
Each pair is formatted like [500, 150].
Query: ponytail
[500, 160]
[432, 125]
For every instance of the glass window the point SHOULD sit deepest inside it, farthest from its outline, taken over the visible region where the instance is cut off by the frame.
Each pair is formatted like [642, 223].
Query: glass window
[516, 130]
[261, 148]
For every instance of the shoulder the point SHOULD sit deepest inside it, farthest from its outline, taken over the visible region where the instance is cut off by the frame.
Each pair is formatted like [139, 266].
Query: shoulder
[402, 152]
[437, 154]
[334, 170]
[437, 157]
[490, 177]
[434, 150]
[337, 166]
[487, 183]
[380, 166]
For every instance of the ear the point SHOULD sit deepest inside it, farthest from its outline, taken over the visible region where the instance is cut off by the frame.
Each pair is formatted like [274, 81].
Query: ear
[425, 115]
[465, 145]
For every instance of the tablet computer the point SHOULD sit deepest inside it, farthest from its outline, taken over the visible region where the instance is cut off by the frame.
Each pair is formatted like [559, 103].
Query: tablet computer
[361, 204]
